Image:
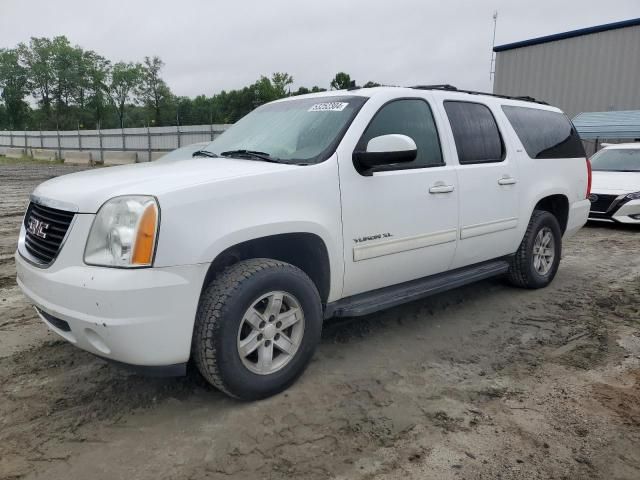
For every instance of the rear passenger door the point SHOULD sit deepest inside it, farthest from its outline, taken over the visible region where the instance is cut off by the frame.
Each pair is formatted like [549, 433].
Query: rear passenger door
[488, 184]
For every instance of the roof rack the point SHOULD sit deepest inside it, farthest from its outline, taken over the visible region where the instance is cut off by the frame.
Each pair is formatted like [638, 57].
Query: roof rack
[451, 88]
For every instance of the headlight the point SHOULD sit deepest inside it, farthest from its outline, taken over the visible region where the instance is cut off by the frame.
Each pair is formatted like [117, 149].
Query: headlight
[124, 233]
[634, 196]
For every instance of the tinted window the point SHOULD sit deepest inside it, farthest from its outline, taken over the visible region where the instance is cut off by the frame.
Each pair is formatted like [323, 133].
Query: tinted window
[475, 132]
[414, 119]
[544, 134]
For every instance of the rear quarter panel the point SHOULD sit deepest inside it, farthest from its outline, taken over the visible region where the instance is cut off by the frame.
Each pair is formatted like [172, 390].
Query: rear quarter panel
[542, 177]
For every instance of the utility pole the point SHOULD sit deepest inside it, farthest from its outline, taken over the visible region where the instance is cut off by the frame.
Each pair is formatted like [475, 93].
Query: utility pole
[492, 70]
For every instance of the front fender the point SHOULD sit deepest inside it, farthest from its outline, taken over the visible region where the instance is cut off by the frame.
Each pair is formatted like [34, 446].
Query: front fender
[254, 232]
[205, 220]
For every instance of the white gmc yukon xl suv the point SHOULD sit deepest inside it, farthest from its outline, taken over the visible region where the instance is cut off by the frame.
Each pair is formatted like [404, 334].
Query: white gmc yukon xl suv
[333, 204]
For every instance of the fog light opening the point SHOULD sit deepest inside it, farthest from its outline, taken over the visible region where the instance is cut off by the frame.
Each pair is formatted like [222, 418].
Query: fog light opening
[96, 341]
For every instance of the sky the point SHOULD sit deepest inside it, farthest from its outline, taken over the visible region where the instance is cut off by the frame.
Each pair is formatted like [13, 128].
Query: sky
[209, 46]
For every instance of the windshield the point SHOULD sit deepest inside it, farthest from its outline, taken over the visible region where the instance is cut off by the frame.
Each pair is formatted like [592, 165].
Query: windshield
[296, 131]
[617, 160]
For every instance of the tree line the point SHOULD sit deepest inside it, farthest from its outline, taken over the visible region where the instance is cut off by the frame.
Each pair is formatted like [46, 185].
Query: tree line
[49, 84]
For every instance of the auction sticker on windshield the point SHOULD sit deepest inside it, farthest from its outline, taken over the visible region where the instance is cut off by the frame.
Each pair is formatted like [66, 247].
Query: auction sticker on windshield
[329, 107]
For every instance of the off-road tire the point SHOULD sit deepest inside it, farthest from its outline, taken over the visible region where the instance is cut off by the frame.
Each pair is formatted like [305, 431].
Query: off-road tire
[222, 305]
[522, 272]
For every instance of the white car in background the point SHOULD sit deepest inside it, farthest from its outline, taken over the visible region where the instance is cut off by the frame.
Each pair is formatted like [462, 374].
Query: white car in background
[615, 191]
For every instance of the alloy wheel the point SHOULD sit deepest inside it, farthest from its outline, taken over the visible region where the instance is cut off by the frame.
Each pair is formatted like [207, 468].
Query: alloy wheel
[270, 332]
[543, 251]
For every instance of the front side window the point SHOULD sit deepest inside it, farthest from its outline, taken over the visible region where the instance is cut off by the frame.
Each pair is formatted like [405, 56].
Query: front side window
[296, 131]
[617, 160]
[543, 133]
[475, 132]
[410, 117]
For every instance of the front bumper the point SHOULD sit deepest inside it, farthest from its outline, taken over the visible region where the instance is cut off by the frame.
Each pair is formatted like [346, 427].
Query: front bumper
[140, 317]
[620, 211]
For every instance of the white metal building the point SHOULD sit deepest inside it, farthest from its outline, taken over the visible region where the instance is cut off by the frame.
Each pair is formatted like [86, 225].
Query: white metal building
[593, 69]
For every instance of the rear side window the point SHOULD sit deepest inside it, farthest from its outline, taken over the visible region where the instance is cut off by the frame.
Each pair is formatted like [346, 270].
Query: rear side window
[411, 117]
[475, 132]
[544, 134]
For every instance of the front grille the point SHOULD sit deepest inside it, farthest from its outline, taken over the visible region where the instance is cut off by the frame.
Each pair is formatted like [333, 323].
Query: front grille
[45, 230]
[602, 202]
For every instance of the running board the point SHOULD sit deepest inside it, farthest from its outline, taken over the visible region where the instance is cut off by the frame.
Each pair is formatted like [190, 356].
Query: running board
[383, 298]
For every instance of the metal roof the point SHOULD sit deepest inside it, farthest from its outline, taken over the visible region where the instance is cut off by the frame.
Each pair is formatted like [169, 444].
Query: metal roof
[608, 125]
[573, 33]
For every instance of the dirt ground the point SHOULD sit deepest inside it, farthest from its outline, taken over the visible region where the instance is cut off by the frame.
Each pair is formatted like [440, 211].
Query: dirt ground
[484, 382]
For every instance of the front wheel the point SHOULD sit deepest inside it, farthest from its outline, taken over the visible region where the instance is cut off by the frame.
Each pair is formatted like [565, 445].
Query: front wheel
[536, 262]
[257, 327]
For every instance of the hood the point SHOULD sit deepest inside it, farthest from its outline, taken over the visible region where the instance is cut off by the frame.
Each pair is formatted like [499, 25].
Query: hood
[89, 189]
[615, 183]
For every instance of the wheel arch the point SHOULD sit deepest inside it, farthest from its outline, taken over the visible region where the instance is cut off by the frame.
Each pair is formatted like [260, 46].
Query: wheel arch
[558, 205]
[307, 251]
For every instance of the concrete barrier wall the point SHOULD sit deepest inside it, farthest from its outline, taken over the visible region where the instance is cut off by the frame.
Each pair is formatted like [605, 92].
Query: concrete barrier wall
[120, 158]
[41, 154]
[144, 141]
[78, 158]
[14, 152]
[157, 155]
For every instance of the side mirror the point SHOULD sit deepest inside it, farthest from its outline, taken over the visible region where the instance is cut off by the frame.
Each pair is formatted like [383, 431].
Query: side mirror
[387, 150]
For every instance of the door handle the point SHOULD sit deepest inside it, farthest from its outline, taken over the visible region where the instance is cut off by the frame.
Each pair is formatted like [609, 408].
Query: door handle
[441, 187]
[507, 180]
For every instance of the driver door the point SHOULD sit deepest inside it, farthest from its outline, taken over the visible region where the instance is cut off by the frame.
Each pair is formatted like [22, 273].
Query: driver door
[400, 221]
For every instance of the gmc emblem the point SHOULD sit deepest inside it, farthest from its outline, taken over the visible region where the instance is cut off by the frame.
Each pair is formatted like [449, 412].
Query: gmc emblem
[37, 227]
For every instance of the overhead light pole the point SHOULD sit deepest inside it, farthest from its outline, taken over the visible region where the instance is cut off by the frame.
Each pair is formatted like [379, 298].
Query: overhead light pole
[492, 70]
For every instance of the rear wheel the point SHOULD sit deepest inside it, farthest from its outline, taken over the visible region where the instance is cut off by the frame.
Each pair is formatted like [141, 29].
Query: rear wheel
[257, 327]
[536, 262]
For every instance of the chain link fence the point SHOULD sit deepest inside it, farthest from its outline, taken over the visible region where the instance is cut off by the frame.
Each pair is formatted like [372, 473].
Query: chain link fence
[146, 142]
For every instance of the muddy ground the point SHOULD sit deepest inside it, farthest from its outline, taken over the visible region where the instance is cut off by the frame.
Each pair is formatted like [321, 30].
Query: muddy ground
[483, 382]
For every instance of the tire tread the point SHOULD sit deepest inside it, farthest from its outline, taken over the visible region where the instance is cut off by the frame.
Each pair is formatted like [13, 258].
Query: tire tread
[518, 274]
[211, 311]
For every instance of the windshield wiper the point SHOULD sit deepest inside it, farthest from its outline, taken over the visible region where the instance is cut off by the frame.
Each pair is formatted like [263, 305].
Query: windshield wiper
[204, 153]
[252, 154]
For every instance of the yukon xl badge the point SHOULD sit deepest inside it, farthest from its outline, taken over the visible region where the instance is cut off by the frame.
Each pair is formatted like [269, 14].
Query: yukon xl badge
[37, 227]
[368, 238]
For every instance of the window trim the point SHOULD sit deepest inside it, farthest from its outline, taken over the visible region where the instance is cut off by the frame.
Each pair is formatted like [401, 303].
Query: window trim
[502, 142]
[399, 166]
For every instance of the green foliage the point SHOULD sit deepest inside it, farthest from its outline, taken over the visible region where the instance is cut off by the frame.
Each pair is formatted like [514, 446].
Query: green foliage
[95, 85]
[38, 58]
[70, 87]
[340, 81]
[280, 82]
[152, 91]
[124, 79]
[13, 89]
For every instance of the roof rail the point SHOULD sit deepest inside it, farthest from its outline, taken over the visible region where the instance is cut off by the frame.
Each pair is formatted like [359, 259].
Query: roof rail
[444, 86]
[451, 88]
